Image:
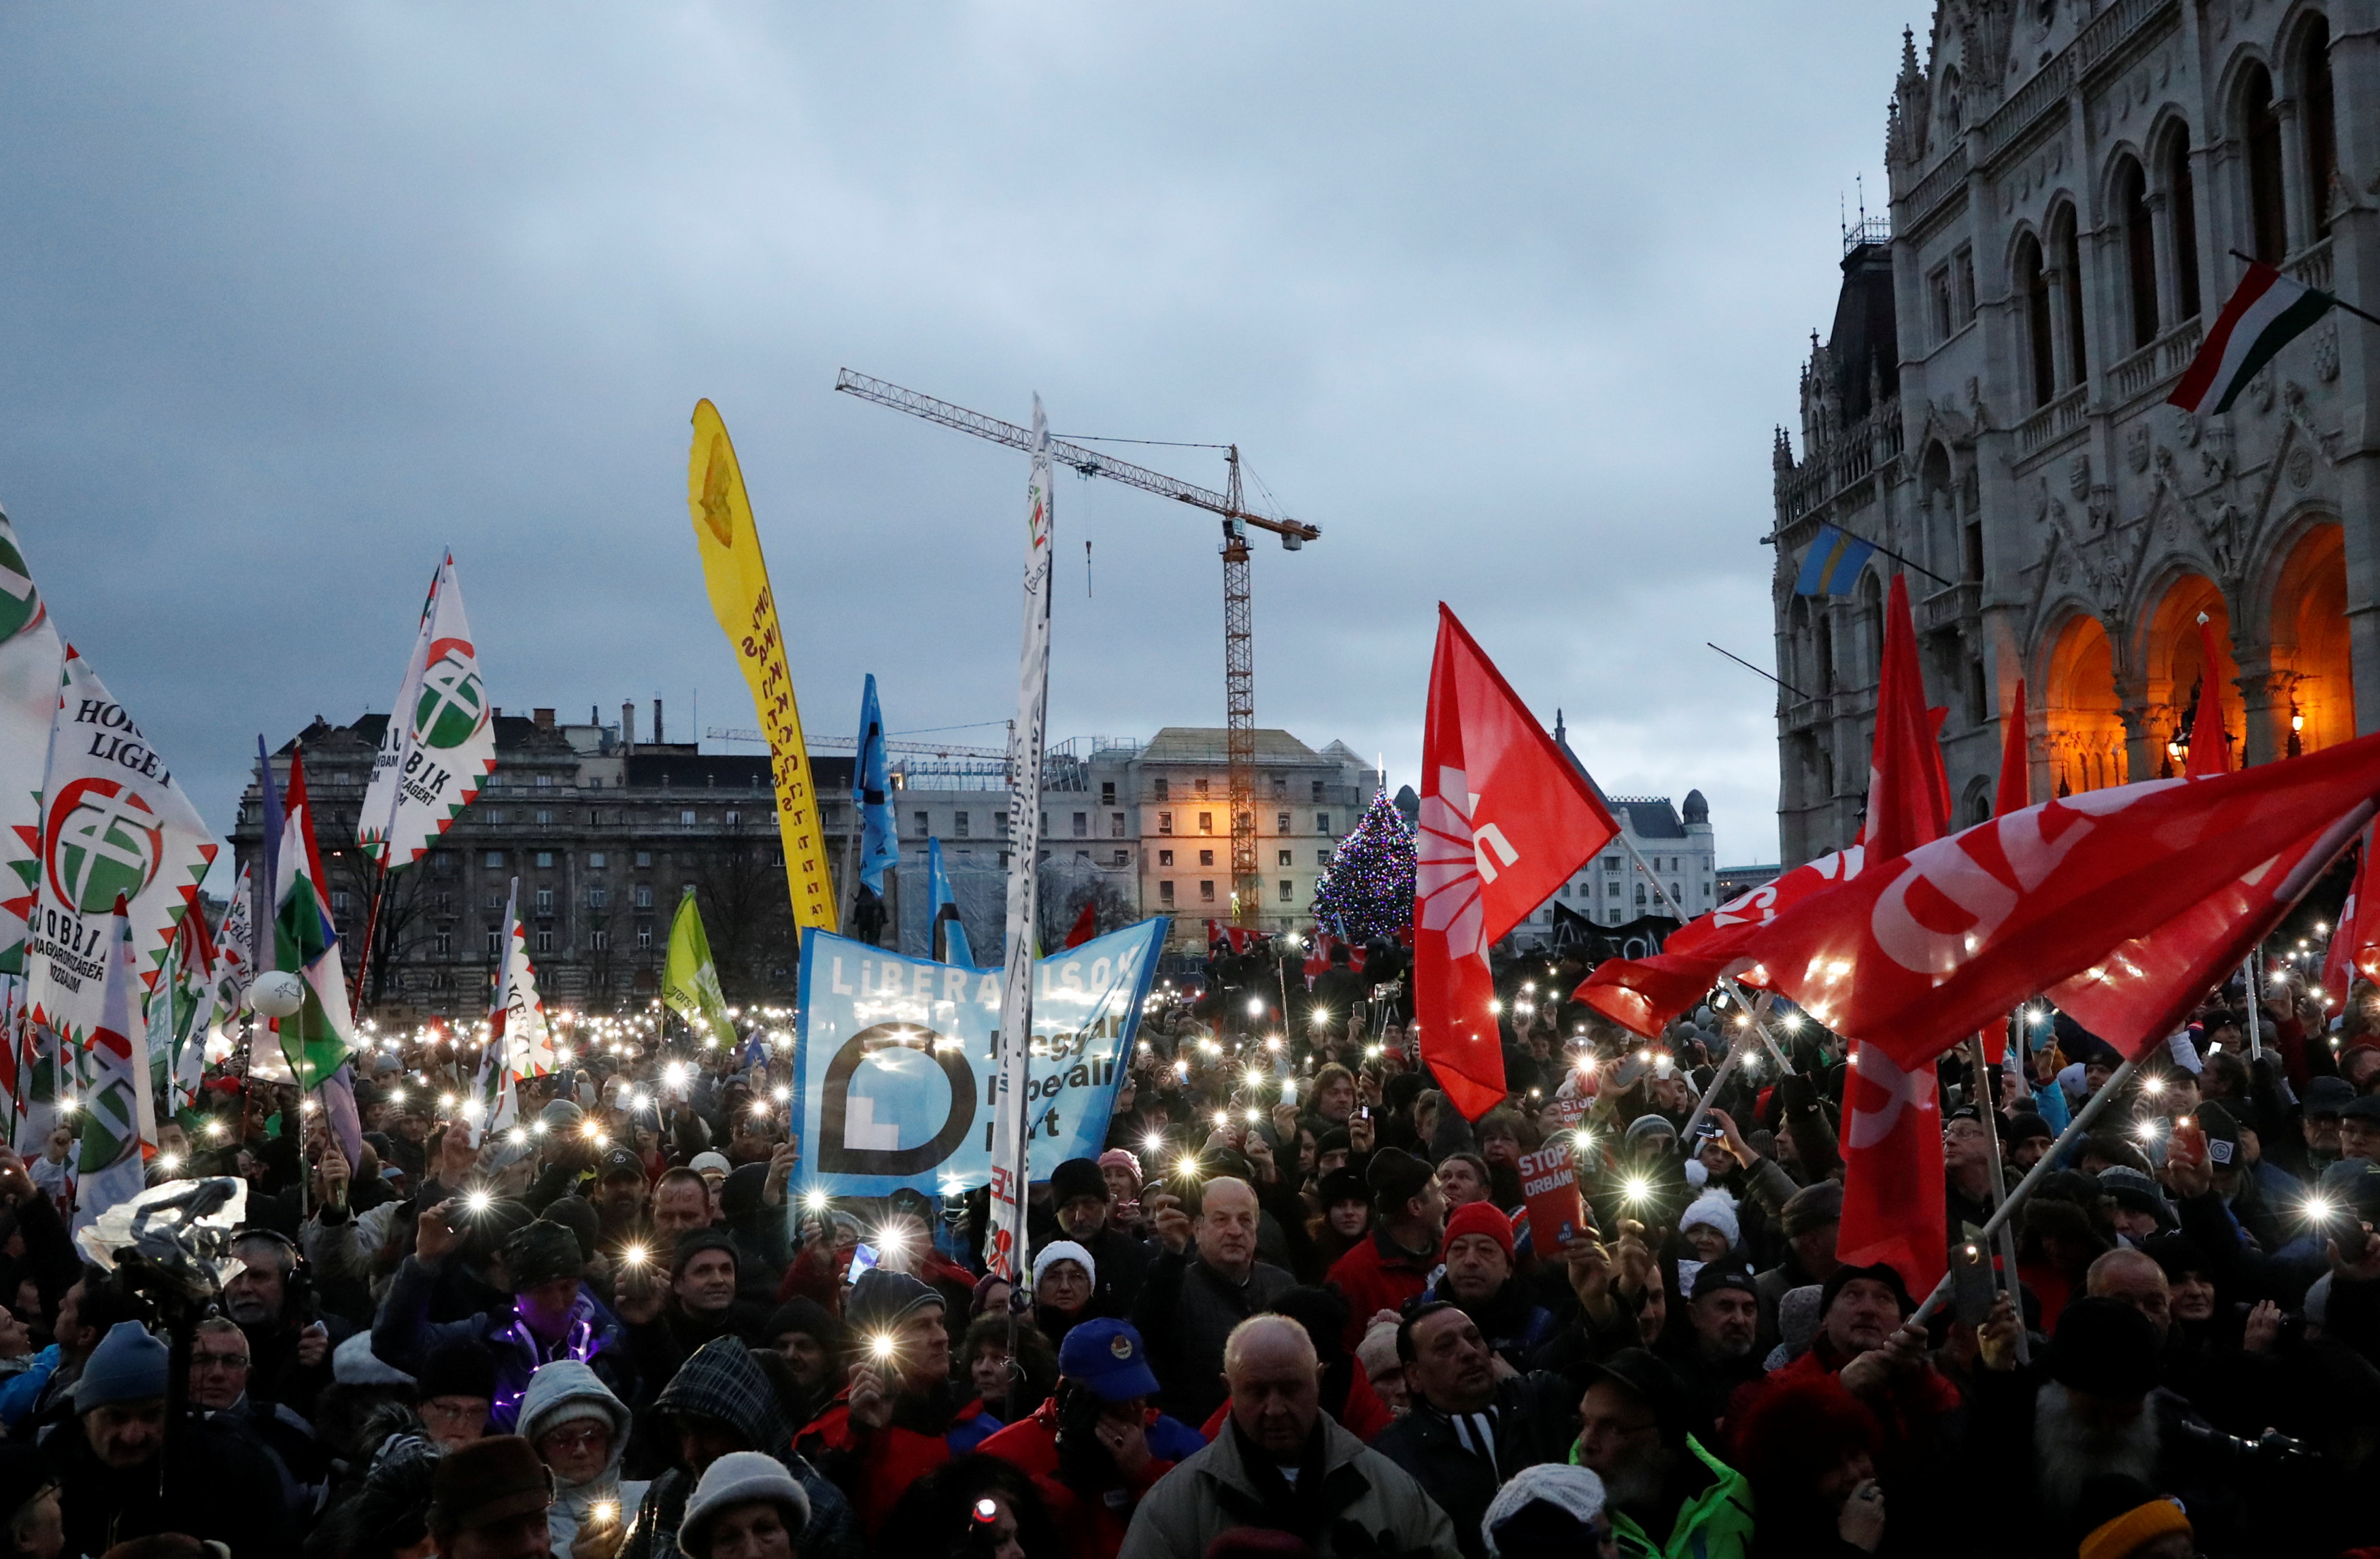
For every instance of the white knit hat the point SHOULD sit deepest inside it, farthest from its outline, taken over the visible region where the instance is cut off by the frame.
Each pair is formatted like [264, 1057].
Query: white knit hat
[1713, 1209]
[1065, 1251]
[1576, 1491]
[740, 1478]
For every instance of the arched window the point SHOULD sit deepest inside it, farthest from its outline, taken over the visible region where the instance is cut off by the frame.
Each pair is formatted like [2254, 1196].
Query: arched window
[2067, 252]
[2315, 111]
[2140, 249]
[2267, 211]
[2181, 201]
[2033, 283]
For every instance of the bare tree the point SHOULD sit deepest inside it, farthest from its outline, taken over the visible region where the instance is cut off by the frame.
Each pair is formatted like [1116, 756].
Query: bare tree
[740, 889]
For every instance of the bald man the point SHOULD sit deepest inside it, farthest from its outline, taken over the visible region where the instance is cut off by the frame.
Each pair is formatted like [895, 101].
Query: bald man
[2134, 1278]
[1279, 1464]
[1208, 1281]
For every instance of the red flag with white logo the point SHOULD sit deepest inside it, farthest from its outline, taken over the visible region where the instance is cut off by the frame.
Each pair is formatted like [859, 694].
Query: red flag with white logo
[2210, 744]
[1506, 818]
[1891, 1145]
[1907, 791]
[1918, 954]
[2015, 791]
[1891, 1139]
[1645, 995]
[2355, 940]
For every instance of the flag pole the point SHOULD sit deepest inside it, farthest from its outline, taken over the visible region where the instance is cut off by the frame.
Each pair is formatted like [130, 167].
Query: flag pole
[2333, 297]
[2255, 1018]
[2006, 1245]
[1757, 671]
[1727, 982]
[2038, 1173]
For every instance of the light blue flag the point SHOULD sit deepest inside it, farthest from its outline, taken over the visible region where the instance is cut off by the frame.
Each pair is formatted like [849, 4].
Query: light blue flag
[870, 783]
[945, 931]
[896, 1068]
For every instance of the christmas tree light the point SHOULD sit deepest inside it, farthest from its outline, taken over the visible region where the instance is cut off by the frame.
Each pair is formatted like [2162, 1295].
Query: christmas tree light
[1368, 890]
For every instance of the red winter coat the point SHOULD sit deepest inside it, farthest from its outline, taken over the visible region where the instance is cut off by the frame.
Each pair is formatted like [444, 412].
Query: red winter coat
[1092, 1529]
[1910, 1413]
[876, 1467]
[1377, 1275]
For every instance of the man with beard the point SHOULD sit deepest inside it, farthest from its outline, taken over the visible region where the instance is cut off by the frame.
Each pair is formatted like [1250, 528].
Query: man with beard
[1479, 1256]
[2100, 1414]
[289, 1348]
[1468, 1432]
[1665, 1491]
[1716, 1356]
[619, 1197]
[1080, 1191]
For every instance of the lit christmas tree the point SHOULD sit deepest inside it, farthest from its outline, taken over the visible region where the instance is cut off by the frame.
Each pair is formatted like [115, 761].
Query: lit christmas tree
[1368, 890]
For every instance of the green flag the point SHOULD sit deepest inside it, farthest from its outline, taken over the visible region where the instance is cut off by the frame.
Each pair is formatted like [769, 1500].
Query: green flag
[690, 981]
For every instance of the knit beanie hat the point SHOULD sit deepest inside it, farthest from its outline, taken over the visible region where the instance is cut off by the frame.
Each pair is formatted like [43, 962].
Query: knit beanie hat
[806, 1316]
[1396, 1176]
[1813, 1207]
[1882, 1272]
[1713, 1209]
[577, 1215]
[1065, 1250]
[1550, 1508]
[128, 1365]
[1121, 1158]
[542, 1251]
[1480, 1218]
[2142, 1517]
[695, 1241]
[740, 1478]
[883, 1299]
[1076, 1176]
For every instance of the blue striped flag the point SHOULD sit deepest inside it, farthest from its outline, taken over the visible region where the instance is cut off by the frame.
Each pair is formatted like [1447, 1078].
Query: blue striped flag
[1832, 564]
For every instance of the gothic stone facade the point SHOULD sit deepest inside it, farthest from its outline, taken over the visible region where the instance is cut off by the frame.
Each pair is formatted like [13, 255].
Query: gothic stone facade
[2069, 180]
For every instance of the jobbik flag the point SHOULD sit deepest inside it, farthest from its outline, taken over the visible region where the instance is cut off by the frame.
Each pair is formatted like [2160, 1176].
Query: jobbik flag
[1506, 816]
[114, 827]
[896, 1060]
[31, 657]
[119, 1127]
[528, 1039]
[441, 738]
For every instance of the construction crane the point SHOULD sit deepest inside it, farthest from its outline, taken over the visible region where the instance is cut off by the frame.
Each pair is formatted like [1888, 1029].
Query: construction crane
[1239, 646]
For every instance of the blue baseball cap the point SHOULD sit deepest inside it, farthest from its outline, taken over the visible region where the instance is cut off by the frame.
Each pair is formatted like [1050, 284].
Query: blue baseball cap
[1109, 1357]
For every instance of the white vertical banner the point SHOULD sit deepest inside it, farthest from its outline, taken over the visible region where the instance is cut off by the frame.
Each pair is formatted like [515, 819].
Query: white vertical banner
[1005, 1257]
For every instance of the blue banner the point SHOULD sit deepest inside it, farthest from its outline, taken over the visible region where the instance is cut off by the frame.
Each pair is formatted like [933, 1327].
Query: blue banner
[894, 1063]
[870, 783]
[945, 928]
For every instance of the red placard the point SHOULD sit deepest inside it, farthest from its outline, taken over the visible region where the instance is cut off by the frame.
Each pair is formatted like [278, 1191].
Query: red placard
[1557, 1215]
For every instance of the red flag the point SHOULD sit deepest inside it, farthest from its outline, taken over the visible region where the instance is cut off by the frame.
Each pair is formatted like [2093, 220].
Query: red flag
[1086, 926]
[1891, 1143]
[2355, 940]
[1505, 819]
[1908, 791]
[2210, 746]
[1915, 954]
[1645, 995]
[2016, 762]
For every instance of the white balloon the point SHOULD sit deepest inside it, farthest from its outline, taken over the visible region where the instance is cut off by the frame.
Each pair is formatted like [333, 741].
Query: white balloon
[276, 992]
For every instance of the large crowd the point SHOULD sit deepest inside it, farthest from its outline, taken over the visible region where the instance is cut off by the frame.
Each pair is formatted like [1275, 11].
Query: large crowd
[1296, 1307]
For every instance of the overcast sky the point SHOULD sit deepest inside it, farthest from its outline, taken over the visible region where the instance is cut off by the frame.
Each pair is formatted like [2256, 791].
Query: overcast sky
[1505, 298]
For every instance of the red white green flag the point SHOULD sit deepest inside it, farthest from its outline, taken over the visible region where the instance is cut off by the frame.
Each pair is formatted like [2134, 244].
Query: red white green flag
[119, 1127]
[441, 740]
[2267, 312]
[113, 826]
[317, 1037]
[29, 658]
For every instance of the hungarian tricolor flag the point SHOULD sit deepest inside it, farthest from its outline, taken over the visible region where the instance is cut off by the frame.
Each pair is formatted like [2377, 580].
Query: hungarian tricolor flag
[317, 1038]
[2266, 313]
[2125, 903]
[1506, 819]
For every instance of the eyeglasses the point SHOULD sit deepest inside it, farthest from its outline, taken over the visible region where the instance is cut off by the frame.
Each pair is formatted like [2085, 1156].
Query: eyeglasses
[577, 1437]
[218, 1361]
[453, 1412]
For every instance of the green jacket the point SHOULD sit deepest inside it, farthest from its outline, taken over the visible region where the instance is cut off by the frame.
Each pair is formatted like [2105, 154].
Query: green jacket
[1713, 1524]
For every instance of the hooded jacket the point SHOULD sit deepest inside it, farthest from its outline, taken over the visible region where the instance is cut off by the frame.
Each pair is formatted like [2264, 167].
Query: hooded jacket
[403, 1335]
[721, 1382]
[553, 1391]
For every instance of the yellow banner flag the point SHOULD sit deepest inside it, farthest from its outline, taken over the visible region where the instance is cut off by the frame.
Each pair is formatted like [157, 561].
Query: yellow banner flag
[738, 580]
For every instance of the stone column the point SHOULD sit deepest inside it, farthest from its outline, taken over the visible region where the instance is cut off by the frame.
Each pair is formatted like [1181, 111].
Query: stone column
[2264, 692]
